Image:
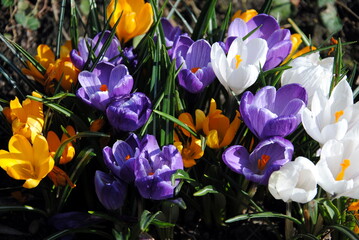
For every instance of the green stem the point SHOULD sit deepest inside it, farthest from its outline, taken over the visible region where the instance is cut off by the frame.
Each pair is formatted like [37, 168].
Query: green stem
[288, 223]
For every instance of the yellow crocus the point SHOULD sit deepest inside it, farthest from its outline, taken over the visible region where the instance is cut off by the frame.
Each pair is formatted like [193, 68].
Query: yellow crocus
[54, 143]
[26, 119]
[136, 18]
[26, 161]
[61, 69]
[354, 206]
[246, 15]
[218, 129]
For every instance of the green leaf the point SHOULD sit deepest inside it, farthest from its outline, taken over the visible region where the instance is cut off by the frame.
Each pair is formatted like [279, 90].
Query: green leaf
[146, 219]
[162, 224]
[7, 3]
[205, 190]
[203, 20]
[22, 208]
[20, 17]
[266, 7]
[330, 19]
[74, 34]
[32, 22]
[181, 174]
[329, 211]
[59, 30]
[262, 215]
[85, 7]
[346, 231]
[175, 120]
[281, 9]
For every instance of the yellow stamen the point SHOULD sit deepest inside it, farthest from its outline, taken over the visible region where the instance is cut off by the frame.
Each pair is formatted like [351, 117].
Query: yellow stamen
[262, 162]
[127, 157]
[103, 88]
[238, 60]
[338, 115]
[194, 70]
[344, 165]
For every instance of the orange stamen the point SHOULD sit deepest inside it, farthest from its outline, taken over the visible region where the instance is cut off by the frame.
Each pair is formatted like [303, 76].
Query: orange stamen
[103, 88]
[238, 60]
[338, 115]
[344, 165]
[127, 157]
[194, 70]
[262, 162]
[151, 173]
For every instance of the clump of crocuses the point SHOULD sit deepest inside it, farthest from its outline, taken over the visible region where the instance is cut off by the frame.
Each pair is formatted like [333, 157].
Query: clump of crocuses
[108, 88]
[139, 162]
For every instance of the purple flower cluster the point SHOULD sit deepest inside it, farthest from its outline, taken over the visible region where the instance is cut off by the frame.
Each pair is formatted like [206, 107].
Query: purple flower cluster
[271, 115]
[108, 88]
[194, 59]
[141, 162]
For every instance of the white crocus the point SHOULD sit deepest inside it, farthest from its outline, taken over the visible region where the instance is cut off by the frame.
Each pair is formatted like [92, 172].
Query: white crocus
[311, 72]
[294, 181]
[331, 118]
[240, 68]
[339, 167]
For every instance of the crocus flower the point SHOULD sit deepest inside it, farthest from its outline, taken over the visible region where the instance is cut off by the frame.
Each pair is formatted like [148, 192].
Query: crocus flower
[246, 15]
[268, 156]
[294, 181]
[26, 119]
[129, 112]
[296, 40]
[110, 191]
[80, 57]
[120, 159]
[240, 68]
[154, 169]
[26, 161]
[273, 113]
[61, 69]
[196, 72]
[104, 83]
[54, 143]
[172, 35]
[278, 40]
[311, 72]
[331, 118]
[136, 18]
[339, 167]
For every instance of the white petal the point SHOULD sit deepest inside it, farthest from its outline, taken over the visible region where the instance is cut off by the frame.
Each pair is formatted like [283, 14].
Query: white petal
[257, 52]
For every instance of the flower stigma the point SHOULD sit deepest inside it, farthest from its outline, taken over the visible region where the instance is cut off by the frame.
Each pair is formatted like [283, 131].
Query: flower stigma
[262, 162]
[103, 88]
[338, 114]
[238, 60]
[344, 165]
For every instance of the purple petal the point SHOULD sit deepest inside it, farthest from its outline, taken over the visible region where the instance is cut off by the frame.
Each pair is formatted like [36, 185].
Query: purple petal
[120, 81]
[269, 25]
[110, 161]
[198, 55]
[110, 191]
[83, 50]
[83, 95]
[100, 100]
[287, 93]
[76, 59]
[181, 48]
[281, 126]
[237, 28]
[234, 157]
[189, 81]
[90, 82]
[103, 71]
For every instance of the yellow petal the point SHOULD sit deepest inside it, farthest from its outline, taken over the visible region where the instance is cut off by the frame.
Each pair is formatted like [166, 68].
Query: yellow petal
[188, 120]
[231, 131]
[15, 166]
[53, 141]
[45, 54]
[17, 111]
[65, 49]
[303, 50]
[200, 117]
[31, 183]
[246, 15]
[20, 145]
[212, 139]
[68, 154]
[42, 162]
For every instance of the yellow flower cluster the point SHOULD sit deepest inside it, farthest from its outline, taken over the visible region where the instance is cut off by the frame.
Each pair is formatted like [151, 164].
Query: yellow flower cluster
[30, 155]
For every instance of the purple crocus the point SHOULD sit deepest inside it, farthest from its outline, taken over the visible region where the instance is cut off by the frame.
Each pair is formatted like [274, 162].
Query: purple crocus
[172, 35]
[105, 82]
[268, 156]
[80, 56]
[195, 58]
[154, 168]
[278, 40]
[110, 190]
[129, 112]
[120, 159]
[273, 113]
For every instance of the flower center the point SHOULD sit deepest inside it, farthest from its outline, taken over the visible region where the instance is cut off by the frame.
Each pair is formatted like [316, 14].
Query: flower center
[127, 157]
[338, 114]
[262, 162]
[238, 60]
[194, 70]
[150, 173]
[345, 164]
[103, 88]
